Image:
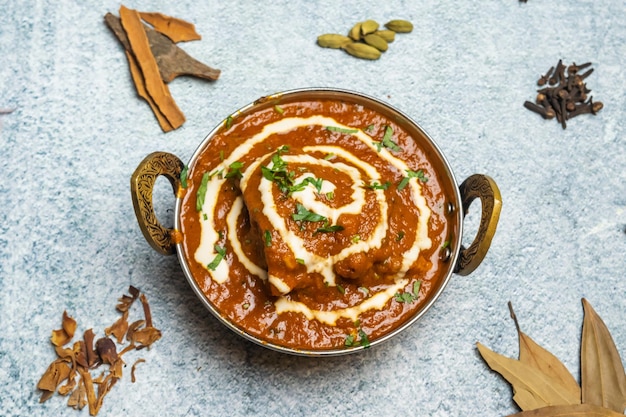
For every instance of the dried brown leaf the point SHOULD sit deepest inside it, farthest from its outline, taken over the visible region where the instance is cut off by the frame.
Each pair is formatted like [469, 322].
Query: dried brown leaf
[602, 372]
[65, 334]
[91, 355]
[146, 310]
[106, 350]
[146, 337]
[541, 359]
[177, 30]
[89, 390]
[543, 388]
[132, 328]
[577, 410]
[56, 373]
[119, 328]
[132, 369]
[78, 398]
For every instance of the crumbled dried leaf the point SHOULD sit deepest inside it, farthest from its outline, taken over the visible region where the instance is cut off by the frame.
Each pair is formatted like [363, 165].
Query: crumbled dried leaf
[119, 328]
[107, 351]
[132, 369]
[56, 373]
[146, 310]
[602, 372]
[78, 398]
[155, 86]
[539, 358]
[76, 363]
[578, 410]
[542, 390]
[63, 335]
[146, 337]
[92, 356]
[177, 30]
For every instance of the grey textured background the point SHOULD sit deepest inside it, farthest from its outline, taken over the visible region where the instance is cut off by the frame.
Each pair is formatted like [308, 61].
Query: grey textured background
[69, 239]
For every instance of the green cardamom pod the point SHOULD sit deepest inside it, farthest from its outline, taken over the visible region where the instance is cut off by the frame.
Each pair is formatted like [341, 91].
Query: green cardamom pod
[355, 32]
[376, 41]
[388, 35]
[399, 26]
[369, 26]
[332, 40]
[361, 50]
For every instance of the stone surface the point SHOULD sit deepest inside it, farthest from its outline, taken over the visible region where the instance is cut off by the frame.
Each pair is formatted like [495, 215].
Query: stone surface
[69, 239]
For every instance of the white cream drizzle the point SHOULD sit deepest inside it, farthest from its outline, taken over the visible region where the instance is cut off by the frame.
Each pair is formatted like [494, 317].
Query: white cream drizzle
[314, 263]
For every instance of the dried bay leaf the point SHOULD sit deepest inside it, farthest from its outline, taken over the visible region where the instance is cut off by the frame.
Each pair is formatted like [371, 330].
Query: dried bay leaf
[542, 389]
[579, 410]
[541, 359]
[602, 373]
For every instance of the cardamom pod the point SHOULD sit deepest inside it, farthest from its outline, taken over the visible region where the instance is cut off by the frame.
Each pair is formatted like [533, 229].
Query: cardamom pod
[355, 32]
[361, 50]
[388, 35]
[376, 41]
[369, 26]
[332, 40]
[399, 26]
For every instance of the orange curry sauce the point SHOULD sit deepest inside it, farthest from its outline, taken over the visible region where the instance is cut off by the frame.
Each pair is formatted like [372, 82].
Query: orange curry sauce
[331, 261]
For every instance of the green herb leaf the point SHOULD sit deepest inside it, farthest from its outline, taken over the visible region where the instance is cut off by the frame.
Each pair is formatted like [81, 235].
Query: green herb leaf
[341, 289]
[234, 170]
[303, 214]
[376, 186]
[349, 341]
[330, 156]
[369, 128]
[267, 236]
[341, 129]
[300, 261]
[387, 142]
[364, 339]
[278, 109]
[201, 193]
[229, 122]
[419, 174]
[183, 176]
[399, 236]
[221, 252]
[330, 195]
[329, 229]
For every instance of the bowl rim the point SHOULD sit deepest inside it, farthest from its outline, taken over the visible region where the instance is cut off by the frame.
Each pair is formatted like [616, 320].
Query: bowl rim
[434, 296]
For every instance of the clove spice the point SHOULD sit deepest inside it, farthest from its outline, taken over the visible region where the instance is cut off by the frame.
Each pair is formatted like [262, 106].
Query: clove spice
[564, 93]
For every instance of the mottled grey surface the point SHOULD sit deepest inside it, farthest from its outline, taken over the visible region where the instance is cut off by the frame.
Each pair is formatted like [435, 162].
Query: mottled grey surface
[69, 239]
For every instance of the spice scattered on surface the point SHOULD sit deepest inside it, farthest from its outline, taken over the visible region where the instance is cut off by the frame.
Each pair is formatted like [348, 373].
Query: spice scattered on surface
[543, 386]
[366, 40]
[74, 365]
[564, 94]
[154, 58]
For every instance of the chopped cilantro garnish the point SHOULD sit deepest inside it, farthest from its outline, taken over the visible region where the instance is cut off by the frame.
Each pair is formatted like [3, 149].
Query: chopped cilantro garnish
[222, 155]
[306, 215]
[387, 142]
[329, 156]
[229, 122]
[341, 129]
[369, 128]
[419, 174]
[330, 195]
[183, 176]
[376, 186]
[300, 261]
[349, 340]
[234, 170]
[364, 341]
[267, 237]
[409, 297]
[399, 236]
[278, 109]
[341, 289]
[201, 193]
[329, 229]
[221, 252]
[355, 238]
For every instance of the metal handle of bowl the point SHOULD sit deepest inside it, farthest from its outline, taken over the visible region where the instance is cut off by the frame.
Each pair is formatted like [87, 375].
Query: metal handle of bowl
[142, 181]
[484, 188]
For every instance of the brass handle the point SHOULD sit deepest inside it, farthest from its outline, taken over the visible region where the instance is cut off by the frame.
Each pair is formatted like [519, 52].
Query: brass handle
[483, 187]
[142, 182]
